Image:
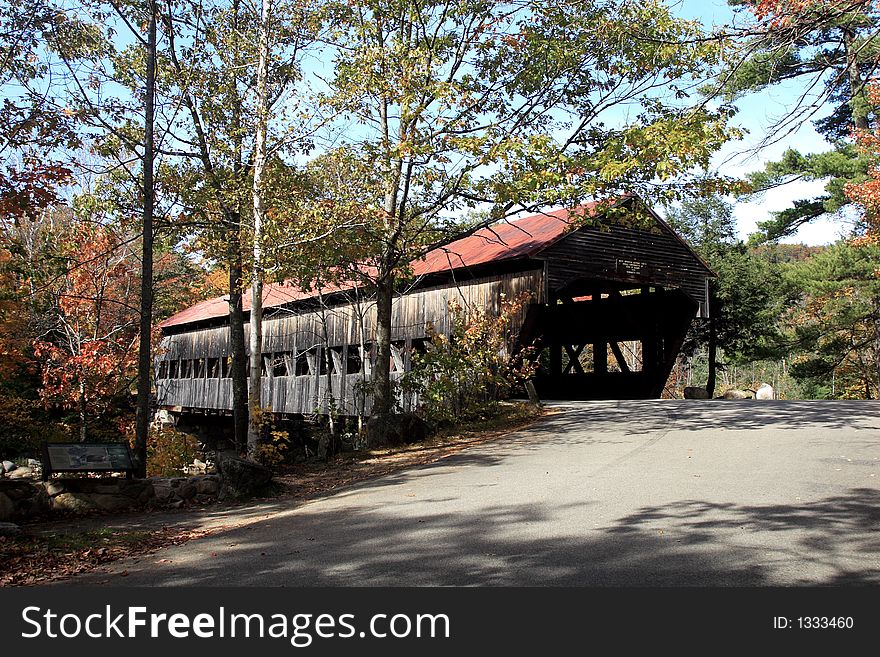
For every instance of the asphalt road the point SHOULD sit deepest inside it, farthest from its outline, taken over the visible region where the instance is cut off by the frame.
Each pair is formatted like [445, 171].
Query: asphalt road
[644, 493]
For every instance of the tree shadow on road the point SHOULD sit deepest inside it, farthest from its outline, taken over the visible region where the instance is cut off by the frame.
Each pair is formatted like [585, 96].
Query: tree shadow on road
[832, 541]
[640, 417]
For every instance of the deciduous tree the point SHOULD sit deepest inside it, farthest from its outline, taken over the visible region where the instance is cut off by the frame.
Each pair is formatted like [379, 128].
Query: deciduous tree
[829, 48]
[89, 353]
[463, 113]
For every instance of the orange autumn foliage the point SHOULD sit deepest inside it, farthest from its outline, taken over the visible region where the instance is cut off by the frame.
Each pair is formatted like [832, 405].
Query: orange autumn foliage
[867, 193]
[89, 356]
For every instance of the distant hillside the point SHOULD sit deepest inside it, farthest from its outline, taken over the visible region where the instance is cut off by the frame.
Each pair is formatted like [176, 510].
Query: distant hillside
[781, 253]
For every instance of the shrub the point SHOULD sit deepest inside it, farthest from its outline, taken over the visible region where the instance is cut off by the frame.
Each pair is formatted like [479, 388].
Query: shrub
[274, 443]
[24, 426]
[169, 451]
[464, 374]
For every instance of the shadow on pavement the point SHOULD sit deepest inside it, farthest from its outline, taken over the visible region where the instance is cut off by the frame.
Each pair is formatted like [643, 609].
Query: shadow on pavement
[690, 543]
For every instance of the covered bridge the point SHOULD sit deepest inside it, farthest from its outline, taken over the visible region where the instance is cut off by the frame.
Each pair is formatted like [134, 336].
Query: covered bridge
[611, 301]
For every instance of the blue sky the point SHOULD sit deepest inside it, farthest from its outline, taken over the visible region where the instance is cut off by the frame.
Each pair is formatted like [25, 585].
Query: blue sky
[757, 114]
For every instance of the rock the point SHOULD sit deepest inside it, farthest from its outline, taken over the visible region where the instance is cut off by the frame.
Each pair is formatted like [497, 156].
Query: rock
[187, 490]
[207, 485]
[695, 392]
[22, 499]
[164, 418]
[54, 487]
[532, 392]
[107, 488]
[111, 502]
[20, 473]
[35, 464]
[401, 429]
[737, 394]
[37, 504]
[145, 494]
[7, 507]
[162, 488]
[9, 529]
[18, 490]
[8, 466]
[323, 447]
[765, 392]
[240, 478]
[78, 502]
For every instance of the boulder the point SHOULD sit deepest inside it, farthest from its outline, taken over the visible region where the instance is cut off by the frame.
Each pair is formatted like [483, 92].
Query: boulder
[737, 394]
[17, 490]
[21, 473]
[207, 486]
[37, 504]
[240, 478]
[9, 529]
[187, 490]
[164, 418]
[146, 493]
[136, 489]
[106, 488]
[695, 392]
[111, 502]
[323, 447]
[54, 487]
[765, 392]
[401, 429]
[8, 466]
[163, 488]
[77, 502]
[532, 392]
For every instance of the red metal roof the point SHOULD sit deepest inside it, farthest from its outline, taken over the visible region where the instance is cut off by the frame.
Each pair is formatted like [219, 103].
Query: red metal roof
[522, 238]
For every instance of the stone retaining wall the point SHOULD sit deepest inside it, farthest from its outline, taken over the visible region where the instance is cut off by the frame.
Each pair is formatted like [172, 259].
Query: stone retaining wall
[21, 499]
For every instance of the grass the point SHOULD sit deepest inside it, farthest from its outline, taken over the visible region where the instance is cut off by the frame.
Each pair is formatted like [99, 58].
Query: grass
[95, 538]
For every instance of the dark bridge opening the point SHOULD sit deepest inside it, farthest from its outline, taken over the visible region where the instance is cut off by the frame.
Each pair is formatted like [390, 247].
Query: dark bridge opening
[616, 344]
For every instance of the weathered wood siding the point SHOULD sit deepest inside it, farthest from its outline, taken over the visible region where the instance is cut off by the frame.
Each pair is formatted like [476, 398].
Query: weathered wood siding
[305, 394]
[627, 255]
[295, 341]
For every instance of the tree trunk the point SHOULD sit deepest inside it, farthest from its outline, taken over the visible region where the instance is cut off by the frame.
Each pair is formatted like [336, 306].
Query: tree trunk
[145, 360]
[256, 366]
[382, 396]
[329, 399]
[238, 375]
[232, 219]
[713, 356]
[255, 401]
[256, 337]
[366, 366]
[83, 418]
[856, 84]
[877, 343]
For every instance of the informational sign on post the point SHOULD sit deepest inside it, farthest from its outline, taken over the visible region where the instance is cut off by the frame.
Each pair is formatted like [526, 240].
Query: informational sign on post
[86, 457]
